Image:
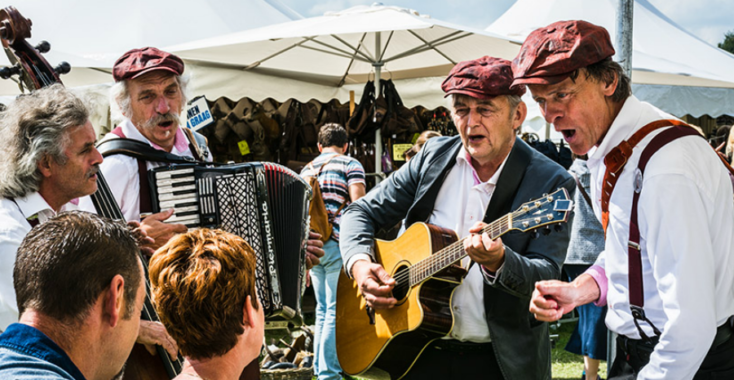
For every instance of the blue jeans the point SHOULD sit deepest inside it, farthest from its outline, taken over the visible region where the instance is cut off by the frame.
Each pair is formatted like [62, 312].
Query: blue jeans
[325, 278]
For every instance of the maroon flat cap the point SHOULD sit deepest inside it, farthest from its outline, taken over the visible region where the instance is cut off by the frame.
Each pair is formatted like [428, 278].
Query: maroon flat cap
[551, 54]
[137, 62]
[481, 78]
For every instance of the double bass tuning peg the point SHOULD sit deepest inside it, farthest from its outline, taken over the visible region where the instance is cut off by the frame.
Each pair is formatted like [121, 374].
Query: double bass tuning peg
[7, 72]
[43, 47]
[63, 68]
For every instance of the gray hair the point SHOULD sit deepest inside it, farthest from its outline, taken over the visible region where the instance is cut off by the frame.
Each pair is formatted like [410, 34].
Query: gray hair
[514, 101]
[120, 98]
[36, 125]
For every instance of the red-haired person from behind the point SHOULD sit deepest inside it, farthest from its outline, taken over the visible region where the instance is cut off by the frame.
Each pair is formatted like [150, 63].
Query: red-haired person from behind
[203, 285]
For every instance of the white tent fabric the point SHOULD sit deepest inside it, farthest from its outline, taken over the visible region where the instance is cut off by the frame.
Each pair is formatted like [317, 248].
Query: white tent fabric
[664, 54]
[92, 44]
[342, 48]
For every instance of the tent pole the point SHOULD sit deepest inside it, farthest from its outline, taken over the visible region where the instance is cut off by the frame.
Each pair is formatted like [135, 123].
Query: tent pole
[624, 57]
[378, 89]
[624, 35]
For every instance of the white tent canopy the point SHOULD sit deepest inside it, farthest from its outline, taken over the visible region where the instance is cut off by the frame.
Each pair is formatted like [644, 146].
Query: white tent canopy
[347, 47]
[664, 54]
[92, 44]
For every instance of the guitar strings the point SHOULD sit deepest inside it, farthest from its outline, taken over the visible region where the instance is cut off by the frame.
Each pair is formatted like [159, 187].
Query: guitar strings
[443, 255]
[425, 268]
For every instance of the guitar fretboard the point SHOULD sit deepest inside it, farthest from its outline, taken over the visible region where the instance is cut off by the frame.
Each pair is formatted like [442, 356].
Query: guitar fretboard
[448, 255]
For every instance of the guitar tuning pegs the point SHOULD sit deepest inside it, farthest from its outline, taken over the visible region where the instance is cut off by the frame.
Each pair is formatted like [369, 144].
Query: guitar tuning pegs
[63, 68]
[534, 234]
[43, 47]
[558, 227]
[546, 230]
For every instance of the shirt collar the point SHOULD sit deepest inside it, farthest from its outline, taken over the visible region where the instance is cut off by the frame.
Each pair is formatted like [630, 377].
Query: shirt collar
[31, 341]
[180, 143]
[464, 158]
[623, 126]
[33, 204]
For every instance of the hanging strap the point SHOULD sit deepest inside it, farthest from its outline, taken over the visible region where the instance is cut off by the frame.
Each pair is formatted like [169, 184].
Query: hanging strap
[617, 158]
[636, 286]
[582, 190]
[310, 165]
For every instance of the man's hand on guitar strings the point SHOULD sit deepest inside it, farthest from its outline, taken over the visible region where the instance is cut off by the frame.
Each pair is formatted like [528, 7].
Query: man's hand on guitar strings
[483, 250]
[314, 249]
[375, 284]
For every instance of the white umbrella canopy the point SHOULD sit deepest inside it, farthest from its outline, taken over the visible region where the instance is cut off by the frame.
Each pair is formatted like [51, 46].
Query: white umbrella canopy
[347, 47]
[342, 48]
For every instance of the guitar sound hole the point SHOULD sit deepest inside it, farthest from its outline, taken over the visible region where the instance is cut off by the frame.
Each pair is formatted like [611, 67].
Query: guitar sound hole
[402, 283]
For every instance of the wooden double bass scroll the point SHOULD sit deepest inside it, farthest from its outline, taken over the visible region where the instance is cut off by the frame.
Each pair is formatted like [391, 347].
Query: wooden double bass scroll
[31, 71]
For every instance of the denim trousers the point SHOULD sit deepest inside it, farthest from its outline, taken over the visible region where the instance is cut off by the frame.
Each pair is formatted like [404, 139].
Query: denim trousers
[325, 278]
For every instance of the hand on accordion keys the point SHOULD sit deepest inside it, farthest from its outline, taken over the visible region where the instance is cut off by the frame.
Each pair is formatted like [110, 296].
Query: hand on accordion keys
[161, 232]
[313, 249]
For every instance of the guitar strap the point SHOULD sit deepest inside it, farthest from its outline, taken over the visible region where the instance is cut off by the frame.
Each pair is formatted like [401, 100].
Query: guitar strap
[509, 181]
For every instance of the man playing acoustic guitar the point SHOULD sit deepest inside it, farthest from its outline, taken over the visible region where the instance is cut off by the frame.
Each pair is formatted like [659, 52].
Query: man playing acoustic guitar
[460, 183]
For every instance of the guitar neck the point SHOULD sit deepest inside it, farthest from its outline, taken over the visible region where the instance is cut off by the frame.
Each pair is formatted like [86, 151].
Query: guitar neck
[444, 258]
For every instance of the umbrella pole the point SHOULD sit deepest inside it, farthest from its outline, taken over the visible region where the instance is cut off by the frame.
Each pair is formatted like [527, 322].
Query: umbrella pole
[378, 133]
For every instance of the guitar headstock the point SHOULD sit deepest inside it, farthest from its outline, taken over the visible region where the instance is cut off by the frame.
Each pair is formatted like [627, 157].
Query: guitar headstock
[550, 209]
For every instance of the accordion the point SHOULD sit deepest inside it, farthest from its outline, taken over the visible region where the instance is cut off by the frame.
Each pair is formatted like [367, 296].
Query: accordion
[264, 203]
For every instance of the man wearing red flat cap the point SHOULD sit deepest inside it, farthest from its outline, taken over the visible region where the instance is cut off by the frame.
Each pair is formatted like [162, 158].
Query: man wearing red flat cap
[665, 200]
[150, 93]
[460, 183]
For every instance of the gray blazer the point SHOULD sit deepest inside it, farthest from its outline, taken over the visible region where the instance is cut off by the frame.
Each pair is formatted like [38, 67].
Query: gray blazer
[521, 343]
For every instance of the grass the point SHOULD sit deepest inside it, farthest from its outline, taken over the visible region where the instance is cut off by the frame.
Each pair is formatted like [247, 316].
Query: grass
[565, 365]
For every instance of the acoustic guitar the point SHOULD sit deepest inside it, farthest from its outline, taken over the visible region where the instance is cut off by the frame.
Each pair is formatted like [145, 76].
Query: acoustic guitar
[383, 344]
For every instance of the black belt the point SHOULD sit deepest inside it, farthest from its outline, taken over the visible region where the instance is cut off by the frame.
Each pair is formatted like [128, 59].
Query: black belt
[452, 345]
[641, 348]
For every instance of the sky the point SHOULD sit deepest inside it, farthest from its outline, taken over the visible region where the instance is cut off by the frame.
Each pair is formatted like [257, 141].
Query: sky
[707, 19]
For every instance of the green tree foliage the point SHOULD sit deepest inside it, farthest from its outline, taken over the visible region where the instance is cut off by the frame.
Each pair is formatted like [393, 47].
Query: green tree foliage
[728, 43]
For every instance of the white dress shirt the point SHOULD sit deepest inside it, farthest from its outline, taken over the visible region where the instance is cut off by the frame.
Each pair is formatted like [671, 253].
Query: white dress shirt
[14, 226]
[461, 202]
[121, 172]
[686, 219]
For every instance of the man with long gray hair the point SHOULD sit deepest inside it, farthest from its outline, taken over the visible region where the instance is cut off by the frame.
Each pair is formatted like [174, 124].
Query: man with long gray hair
[48, 161]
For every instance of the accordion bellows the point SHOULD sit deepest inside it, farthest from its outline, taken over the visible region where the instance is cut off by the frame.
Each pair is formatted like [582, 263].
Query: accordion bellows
[264, 203]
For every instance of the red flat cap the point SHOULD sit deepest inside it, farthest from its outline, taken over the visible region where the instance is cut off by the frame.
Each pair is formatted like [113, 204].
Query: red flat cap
[481, 78]
[551, 54]
[137, 62]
